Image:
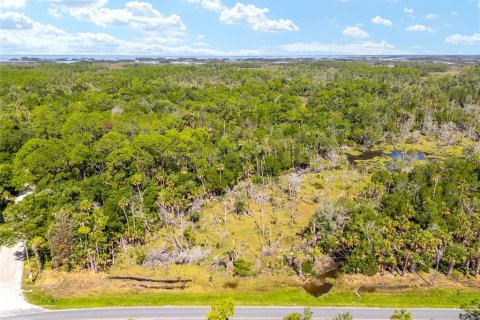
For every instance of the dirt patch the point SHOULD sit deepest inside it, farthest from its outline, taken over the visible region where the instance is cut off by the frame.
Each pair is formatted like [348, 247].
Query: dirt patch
[391, 282]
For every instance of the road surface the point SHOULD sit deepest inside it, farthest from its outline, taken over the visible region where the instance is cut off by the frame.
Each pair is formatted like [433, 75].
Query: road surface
[11, 267]
[242, 313]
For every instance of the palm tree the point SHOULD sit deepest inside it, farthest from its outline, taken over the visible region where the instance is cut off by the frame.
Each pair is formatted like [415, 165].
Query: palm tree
[37, 244]
[435, 178]
[123, 203]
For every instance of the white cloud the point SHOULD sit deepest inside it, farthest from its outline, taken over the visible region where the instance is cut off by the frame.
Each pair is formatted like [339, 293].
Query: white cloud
[419, 28]
[355, 32]
[54, 12]
[35, 38]
[380, 20]
[213, 5]
[362, 48]
[79, 3]
[138, 15]
[454, 13]
[408, 10]
[255, 18]
[15, 21]
[248, 14]
[14, 4]
[431, 16]
[463, 39]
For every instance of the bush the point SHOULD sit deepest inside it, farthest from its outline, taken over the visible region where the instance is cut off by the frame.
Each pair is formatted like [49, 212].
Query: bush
[225, 307]
[215, 315]
[357, 263]
[194, 216]
[307, 267]
[231, 284]
[293, 316]
[242, 268]
[140, 255]
[471, 311]
[344, 316]
[189, 236]
[401, 315]
[307, 315]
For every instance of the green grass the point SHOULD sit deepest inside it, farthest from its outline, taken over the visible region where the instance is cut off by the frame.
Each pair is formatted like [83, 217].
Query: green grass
[434, 298]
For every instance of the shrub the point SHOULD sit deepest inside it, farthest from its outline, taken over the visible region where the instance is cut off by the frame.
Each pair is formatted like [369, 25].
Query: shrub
[232, 284]
[401, 315]
[189, 236]
[224, 307]
[140, 256]
[307, 315]
[471, 310]
[307, 267]
[293, 316]
[242, 268]
[344, 316]
[215, 315]
[358, 263]
[194, 216]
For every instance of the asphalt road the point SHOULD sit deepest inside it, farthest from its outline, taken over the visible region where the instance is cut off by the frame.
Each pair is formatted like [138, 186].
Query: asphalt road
[250, 313]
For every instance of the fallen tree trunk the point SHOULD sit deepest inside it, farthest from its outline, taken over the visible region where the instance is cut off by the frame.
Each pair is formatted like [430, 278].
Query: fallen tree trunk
[162, 287]
[149, 280]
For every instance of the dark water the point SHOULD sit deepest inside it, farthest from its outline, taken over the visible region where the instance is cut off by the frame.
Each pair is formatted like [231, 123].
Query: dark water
[332, 274]
[317, 290]
[394, 155]
[399, 155]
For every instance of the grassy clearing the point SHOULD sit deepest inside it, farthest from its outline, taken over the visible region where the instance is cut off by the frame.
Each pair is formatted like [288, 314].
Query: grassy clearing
[431, 146]
[434, 298]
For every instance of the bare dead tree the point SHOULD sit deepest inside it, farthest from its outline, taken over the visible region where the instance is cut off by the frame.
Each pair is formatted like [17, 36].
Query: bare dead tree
[293, 185]
[261, 198]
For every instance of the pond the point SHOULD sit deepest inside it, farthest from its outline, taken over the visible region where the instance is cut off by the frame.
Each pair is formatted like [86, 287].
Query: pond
[317, 290]
[399, 155]
[394, 155]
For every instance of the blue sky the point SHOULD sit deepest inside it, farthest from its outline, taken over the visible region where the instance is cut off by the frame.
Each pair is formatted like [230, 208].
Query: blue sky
[242, 27]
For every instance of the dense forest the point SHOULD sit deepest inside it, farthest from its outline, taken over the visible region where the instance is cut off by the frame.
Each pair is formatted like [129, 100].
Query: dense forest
[114, 153]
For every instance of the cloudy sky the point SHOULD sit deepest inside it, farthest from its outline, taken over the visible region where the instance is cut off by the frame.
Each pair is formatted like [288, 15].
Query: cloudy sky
[241, 27]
